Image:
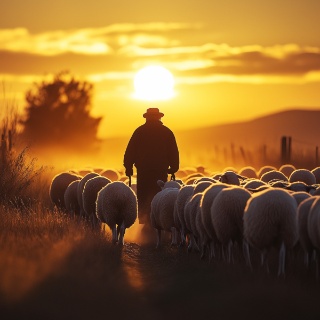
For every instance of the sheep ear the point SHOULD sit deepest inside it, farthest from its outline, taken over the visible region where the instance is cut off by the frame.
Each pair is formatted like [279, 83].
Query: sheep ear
[241, 177]
[160, 183]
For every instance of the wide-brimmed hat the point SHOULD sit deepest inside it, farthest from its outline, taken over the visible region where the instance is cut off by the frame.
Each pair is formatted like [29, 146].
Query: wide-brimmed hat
[153, 112]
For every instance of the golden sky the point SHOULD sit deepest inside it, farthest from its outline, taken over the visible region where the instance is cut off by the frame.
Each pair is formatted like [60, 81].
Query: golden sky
[232, 60]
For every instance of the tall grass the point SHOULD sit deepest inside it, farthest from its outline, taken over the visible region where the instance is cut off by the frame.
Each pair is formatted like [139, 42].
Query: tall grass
[18, 170]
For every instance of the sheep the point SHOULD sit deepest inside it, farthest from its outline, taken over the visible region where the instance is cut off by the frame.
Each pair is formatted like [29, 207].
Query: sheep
[254, 184]
[117, 206]
[162, 216]
[89, 196]
[231, 177]
[287, 169]
[300, 196]
[71, 198]
[206, 201]
[300, 186]
[58, 187]
[302, 175]
[227, 215]
[270, 221]
[202, 179]
[302, 221]
[265, 169]
[273, 175]
[184, 194]
[249, 172]
[201, 186]
[80, 190]
[316, 173]
[111, 174]
[314, 228]
[169, 184]
[191, 209]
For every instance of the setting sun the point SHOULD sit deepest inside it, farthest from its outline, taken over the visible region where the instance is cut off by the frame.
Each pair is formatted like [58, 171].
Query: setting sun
[153, 83]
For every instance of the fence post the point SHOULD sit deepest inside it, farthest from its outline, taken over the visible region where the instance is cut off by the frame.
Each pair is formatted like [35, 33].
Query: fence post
[283, 150]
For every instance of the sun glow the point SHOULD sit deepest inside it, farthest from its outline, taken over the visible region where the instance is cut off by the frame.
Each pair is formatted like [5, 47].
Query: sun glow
[154, 83]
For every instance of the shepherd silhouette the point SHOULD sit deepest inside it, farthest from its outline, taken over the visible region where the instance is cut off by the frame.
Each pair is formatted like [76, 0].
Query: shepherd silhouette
[153, 150]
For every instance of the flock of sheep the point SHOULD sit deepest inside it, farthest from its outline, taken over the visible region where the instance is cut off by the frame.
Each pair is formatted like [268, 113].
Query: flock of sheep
[210, 213]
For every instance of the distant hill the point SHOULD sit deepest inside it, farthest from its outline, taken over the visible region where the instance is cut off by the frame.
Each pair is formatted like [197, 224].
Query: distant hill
[303, 126]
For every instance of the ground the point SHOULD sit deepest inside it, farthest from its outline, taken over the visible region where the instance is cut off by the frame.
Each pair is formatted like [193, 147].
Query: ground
[98, 280]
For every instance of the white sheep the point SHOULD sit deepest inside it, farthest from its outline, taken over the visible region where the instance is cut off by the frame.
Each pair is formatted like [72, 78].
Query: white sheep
[191, 209]
[231, 177]
[184, 194]
[111, 174]
[81, 185]
[227, 211]
[302, 221]
[117, 206]
[316, 173]
[201, 186]
[300, 196]
[170, 184]
[209, 239]
[303, 175]
[58, 187]
[89, 196]
[71, 198]
[273, 175]
[162, 213]
[265, 169]
[251, 184]
[314, 229]
[248, 172]
[270, 221]
[301, 186]
[287, 169]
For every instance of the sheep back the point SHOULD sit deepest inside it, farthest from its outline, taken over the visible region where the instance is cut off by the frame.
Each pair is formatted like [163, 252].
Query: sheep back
[270, 218]
[58, 187]
[227, 211]
[90, 192]
[71, 198]
[116, 204]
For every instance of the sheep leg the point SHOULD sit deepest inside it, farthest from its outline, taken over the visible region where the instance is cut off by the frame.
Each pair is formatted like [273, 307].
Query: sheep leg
[194, 243]
[174, 241]
[114, 234]
[158, 238]
[121, 234]
[230, 252]
[282, 258]
[212, 253]
[246, 254]
[306, 259]
[183, 237]
[264, 260]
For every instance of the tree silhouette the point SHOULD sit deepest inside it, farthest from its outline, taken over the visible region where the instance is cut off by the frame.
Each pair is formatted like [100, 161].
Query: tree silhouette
[58, 115]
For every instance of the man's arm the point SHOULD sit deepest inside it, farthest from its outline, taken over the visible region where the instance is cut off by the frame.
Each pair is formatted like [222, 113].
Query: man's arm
[173, 155]
[129, 156]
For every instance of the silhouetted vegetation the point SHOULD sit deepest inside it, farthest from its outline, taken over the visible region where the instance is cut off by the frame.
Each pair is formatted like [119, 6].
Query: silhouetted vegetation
[58, 115]
[17, 169]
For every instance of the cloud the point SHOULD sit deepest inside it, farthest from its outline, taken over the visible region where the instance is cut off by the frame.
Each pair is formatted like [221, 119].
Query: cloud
[89, 41]
[116, 51]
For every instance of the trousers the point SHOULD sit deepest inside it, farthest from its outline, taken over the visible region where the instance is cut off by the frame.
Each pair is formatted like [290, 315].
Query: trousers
[147, 188]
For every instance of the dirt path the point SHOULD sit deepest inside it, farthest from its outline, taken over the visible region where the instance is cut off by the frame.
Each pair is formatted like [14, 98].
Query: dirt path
[100, 281]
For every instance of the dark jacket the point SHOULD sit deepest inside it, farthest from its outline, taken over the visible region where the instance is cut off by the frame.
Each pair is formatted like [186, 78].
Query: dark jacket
[152, 147]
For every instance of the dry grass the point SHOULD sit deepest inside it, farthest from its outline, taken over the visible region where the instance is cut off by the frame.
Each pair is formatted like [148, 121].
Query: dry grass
[54, 267]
